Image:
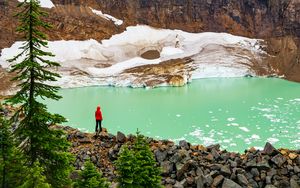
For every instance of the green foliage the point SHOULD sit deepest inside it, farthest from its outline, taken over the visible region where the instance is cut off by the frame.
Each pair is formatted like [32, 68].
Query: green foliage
[35, 178]
[91, 178]
[125, 167]
[11, 159]
[42, 143]
[137, 167]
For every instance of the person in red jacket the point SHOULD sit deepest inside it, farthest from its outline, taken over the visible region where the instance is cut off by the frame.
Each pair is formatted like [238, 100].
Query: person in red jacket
[99, 118]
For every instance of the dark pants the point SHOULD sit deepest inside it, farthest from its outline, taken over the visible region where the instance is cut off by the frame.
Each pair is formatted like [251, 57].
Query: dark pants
[98, 124]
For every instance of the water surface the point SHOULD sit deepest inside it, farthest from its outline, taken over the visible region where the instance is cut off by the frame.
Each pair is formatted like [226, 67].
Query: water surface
[236, 112]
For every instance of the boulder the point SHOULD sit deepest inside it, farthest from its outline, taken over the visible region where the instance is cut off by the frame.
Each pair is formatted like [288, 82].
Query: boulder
[242, 180]
[217, 180]
[230, 184]
[279, 160]
[160, 155]
[225, 170]
[293, 156]
[121, 137]
[184, 144]
[215, 153]
[269, 149]
[200, 181]
[167, 167]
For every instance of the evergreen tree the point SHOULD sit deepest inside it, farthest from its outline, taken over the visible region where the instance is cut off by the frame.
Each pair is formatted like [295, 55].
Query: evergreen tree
[43, 144]
[11, 159]
[125, 166]
[35, 178]
[91, 178]
[137, 167]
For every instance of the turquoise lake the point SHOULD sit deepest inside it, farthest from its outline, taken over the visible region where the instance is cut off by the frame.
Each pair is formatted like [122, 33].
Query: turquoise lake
[236, 112]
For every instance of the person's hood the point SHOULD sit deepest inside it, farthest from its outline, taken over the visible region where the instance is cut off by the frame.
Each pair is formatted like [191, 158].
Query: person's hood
[98, 108]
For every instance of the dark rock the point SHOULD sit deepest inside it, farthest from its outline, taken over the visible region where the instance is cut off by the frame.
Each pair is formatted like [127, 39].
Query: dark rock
[269, 149]
[242, 179]
[214, 173]
[293, 183]
[178, 185]
[215, 167]
[167, 167]
[284, 171]
[208, 180]
[268, 180]
[232, 163]
[225, 170]
[270, 186]
[184, 169]
[175, 158]
[184, 144]
[160, 155]
[254, 172]
[215, 153]
[111, 136]
[94, 159]
[199, 171]
[271, 172]
[279, 160]
[200, 181]
[121, 137]
[251, 163]
[284, 183]
[215, 146]
[190, 180]
[253, 183]
[184, 183]
[296, 169]
[230, 184]
[170, 181]
[209, 157]
[111, 154]
[85, 140]
[290, 168]
[217, 180]
[75, 144]
[263, 165]
[79, 134]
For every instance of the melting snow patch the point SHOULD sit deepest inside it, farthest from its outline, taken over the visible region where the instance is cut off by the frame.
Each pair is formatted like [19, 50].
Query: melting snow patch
[44, 3]
[169, 50]
[107, 17]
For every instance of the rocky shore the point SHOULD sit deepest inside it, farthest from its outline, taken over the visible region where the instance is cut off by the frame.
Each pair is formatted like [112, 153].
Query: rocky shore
[186, 165]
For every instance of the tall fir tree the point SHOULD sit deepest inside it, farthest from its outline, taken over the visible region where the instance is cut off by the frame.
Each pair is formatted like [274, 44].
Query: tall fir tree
[137, 167]
[43, 144]
[90, 177]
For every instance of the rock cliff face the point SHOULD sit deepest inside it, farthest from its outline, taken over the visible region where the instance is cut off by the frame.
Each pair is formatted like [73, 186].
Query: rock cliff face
[258, 18]
[276, 21]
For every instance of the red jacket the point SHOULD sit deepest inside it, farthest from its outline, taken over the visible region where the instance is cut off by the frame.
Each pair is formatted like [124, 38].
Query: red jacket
[98, 114]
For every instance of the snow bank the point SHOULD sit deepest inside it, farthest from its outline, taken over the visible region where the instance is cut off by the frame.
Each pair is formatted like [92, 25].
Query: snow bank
[44, 3]
[107, 17]
[213, 54]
